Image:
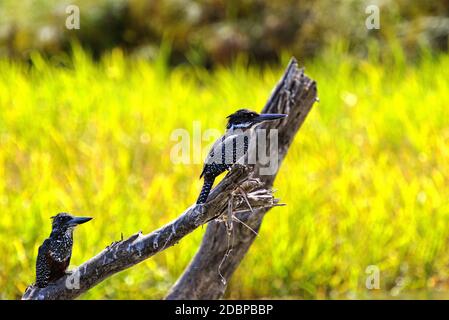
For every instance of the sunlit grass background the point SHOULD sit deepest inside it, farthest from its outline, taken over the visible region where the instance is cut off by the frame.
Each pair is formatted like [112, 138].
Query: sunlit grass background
[365, 182]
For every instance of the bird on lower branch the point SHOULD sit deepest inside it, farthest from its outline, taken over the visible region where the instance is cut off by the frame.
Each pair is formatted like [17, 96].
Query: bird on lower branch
[231, 147]
[54, 254]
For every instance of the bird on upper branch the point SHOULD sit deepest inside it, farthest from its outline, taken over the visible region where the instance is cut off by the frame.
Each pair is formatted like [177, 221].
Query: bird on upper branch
[54, 254]
[232, 146]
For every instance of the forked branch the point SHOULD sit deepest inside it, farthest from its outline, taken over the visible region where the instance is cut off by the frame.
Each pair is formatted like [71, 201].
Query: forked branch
[126, 253]
[294, 95]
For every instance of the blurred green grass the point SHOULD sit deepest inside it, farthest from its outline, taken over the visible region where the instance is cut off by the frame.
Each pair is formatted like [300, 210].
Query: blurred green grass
[366, 181]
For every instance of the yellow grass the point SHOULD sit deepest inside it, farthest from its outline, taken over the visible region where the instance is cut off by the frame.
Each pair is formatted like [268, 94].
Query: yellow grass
[366, 181]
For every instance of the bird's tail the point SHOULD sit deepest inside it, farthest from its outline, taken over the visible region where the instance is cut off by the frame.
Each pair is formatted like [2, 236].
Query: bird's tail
[208, 183]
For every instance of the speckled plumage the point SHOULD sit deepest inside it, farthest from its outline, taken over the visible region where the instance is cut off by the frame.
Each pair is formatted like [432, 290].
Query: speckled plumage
[231, 147]
[54, 254]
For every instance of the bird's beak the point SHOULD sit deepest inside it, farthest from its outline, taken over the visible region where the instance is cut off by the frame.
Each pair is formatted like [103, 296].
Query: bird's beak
[269, 116]
[79, 220]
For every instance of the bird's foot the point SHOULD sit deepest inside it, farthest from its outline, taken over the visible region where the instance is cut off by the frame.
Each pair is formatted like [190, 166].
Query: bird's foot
[238, 166]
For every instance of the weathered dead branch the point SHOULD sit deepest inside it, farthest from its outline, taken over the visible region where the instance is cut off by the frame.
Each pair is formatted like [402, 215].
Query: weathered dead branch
[294, 95]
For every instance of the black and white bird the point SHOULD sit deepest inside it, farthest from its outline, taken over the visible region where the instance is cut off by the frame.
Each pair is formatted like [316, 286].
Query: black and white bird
[232, 146]
[54, 254]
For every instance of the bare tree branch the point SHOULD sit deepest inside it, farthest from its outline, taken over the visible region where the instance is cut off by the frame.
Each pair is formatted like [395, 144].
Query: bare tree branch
[294, 95]
[127, 253]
